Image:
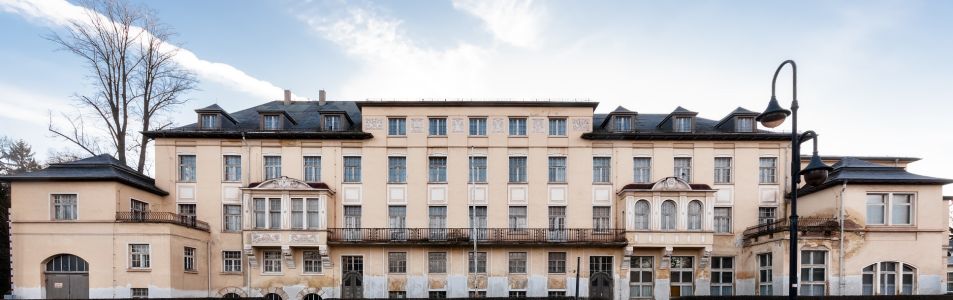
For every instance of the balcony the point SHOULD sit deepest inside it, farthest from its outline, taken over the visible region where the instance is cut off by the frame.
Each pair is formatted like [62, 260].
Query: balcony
[804, 225]
[161, 217]
[484, 236]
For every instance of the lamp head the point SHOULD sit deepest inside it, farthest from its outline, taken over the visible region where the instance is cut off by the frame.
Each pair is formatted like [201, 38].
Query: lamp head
[815, 173]
[774, 115]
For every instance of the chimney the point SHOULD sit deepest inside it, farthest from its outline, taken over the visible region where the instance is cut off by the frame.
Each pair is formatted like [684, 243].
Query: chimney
[287, 97]
[322, 97]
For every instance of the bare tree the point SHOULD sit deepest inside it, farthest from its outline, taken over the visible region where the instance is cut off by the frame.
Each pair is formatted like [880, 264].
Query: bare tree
[134, 75]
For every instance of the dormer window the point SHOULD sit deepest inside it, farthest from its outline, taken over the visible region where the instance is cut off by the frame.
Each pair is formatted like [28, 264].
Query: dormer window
[744, 124]
[333, 123]
[208, 121]
[682, 124]
[271, 122]
[623, 123]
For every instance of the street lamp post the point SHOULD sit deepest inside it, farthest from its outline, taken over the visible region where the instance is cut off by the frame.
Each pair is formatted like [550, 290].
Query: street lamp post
[815, 172]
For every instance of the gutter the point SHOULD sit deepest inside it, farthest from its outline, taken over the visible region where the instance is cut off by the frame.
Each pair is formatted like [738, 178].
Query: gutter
[840, 282]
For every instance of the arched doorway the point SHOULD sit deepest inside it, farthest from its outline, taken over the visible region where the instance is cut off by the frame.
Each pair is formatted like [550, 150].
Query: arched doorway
[67, 277]
[311, 296]
[272, 296]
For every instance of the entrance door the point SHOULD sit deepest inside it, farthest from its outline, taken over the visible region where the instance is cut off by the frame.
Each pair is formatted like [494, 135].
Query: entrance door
[67, 277]
[352, 285]
[600, 277]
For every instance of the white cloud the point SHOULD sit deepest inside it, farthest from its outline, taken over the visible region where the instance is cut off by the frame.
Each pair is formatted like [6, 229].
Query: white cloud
[21, 105]
[57, 13]
[516, 22]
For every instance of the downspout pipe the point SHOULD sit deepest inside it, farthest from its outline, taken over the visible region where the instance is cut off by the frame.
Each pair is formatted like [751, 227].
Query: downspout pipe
[841, 283]
[247, 160]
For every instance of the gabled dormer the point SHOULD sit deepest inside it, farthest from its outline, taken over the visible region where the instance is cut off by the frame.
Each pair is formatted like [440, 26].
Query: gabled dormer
[335, 121]
[680, 120]
[210, 117]
[740, 120]
[620, 120]
[274, 119]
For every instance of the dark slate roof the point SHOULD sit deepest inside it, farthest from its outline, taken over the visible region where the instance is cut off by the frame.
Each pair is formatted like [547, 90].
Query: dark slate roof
[647, 128]
[740, 111]
[855, 170]
[305, 117]
[478, 103]
[906, 159]
[101, 167]
[621, 109]
[214, 108]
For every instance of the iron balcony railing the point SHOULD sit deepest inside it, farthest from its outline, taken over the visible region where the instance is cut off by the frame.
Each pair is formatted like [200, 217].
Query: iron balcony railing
[465, 236]
[807, 224]
[160, 217]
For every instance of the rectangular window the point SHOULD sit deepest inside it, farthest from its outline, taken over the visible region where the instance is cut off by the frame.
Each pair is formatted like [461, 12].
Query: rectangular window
[397, 294]
[396, 126]
[890, 209]
[333, 123]
[723, 170]
[438, 169]
[187, 213]
[477, 215]
[188, 262]
[274, 213]
[437, 262]
[767, 215]
[642, 169]
[556, 263]
[683, 168]
[722, 276]
[557, 169]
[352, 169]
[397, 169]
[901, 209]
[623, 123]
[209, 121]
[397, 222]
[600, 264]
[556, 294]
[477, 169]
[233, 167]
[261, 213]
[311, 259]
[949, 282]
[232, 217]
[138, 209]
[437, 294]
[601, 169]
[557, 223]
[517, 169]
[683, 276]
[64, 207]
[438, 126]
[768, 170]
[682, 124]
[139, 256]
[312, 168]
[352, 221]
[557, 127]
[641, 277]
[271, 261]
[813, 272]
[876, 209]
[297, 213]
[272, 167]
[517, 126]
[231, 261]
[477, 126]
[479, 265]
[271, 122]
[517, 262]
[187, 168]
[397, 262]
[722, 219]
[139, 293]
[438, 217]
[517, 294]
[600, 218]
[744, 124]
[312, 211]
[517, 217]
[765, 274]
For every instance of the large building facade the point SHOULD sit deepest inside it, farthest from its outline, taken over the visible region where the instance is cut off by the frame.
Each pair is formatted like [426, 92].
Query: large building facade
[337, 199]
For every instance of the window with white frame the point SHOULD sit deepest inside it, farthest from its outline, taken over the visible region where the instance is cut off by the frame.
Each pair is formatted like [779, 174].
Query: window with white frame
[601, 169]
[517, 262]
[396, 126]
[556, 262]
[397, 222]
[272, 166]
[139, 293]
[889, 278]
[641, 277]
[397, 262]
[669, 215]
[333, 123]
[517, 126]
[479, 264]
[233, 168]
[642, 169]
[267, 213]
[683, 168]
[396, 169]
[186, 168]
[557, 169]
[352, 169]
[682, 124]
[297, 213]
[274, 213]
[271, 122]
[642, 215]
[768, 170]
[683, 276]
[437, 262]
[139, 256]
[744, 124]
[352, 221]
[767, 215]
[890, 208]
[438, 220]
[813, 272]
[477, 170]
[949, 282]
[271, 261]
[557, 127]
[695, 210]
[722, 170]
[517, 169]
[188, 261]
[138, 209]
[722, 275]
[312, 168]
[477, 126]
[622, 124]
[765, 274]
[438, 169]
[517, 218]
[231, 261]
[438, 127]
[601, 216]
[311, 259]
[63, 206]
[722, 219]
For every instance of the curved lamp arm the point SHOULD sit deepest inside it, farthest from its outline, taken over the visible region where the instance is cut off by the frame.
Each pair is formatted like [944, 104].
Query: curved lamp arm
[794, 82]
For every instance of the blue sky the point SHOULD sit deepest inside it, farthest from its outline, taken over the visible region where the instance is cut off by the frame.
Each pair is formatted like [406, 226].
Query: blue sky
[874, 76]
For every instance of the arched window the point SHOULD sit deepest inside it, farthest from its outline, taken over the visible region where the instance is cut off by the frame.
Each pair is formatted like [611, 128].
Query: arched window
[231, 296]
[668, 215]
[695, 215]
[67, 263]
[272, 296]
[311, 296]
[642, 213]
[889, 278]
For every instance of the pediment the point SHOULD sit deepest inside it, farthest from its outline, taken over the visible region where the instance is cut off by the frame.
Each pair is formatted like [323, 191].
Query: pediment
[283, 183]
[671, 184]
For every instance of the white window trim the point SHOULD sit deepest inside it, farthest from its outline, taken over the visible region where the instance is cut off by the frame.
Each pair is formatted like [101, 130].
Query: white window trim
[129, 256]
[320, 167]
[241, 164]
[888, 208]
[241, 261]
[320, 262]
[759, 268]
[827, 267]
[267, 211]
[778, 176]
[731, 169]
[49, 206]
[280, 261]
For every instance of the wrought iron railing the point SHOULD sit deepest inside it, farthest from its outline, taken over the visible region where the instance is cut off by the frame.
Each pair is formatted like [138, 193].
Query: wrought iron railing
[482, 235]
[806, 224]
[160, 217]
